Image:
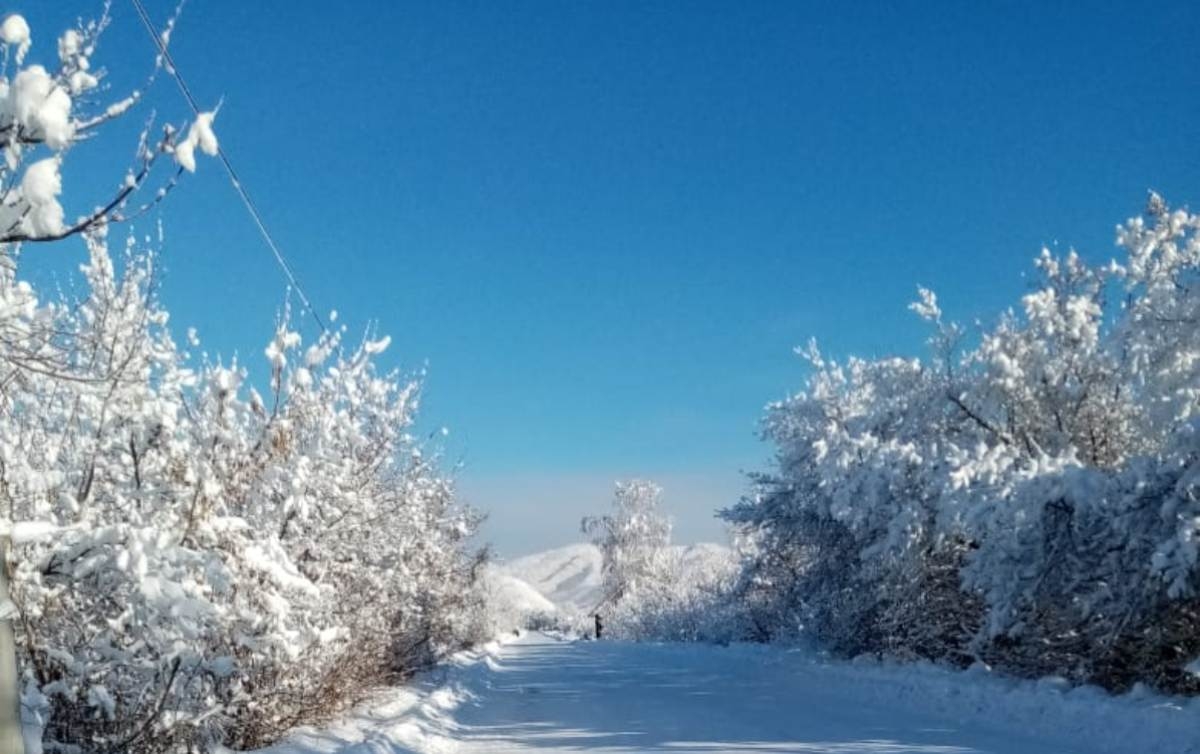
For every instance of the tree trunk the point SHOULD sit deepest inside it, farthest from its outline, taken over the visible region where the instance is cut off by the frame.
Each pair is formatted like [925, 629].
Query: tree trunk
[11, 741]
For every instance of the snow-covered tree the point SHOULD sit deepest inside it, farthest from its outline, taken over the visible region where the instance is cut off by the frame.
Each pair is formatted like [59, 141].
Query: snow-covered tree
[632, 539]
[651, 589]
[195, 561]
[1026, 497]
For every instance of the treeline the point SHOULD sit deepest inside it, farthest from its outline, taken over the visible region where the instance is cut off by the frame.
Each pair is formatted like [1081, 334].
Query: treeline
[197, 557]
[1027, 497]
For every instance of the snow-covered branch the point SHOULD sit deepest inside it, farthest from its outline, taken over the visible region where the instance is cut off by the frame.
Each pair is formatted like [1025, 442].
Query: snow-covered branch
[44, 113]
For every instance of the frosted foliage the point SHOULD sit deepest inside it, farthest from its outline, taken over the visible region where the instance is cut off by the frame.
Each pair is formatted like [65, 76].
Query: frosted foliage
[1027, 496]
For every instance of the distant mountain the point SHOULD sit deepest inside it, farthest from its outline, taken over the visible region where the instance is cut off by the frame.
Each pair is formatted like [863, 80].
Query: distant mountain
[516, 593]
[570, 577]
[567, 576]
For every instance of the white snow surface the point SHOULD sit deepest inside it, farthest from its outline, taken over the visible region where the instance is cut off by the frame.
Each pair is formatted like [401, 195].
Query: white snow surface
[15, 31]
[540, 693]
[200, 134]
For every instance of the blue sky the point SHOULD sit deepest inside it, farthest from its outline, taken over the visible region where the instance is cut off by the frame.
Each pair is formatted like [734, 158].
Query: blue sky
[604, 226]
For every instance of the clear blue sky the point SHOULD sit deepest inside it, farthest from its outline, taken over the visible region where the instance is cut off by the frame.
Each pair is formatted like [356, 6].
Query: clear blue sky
[604, 226]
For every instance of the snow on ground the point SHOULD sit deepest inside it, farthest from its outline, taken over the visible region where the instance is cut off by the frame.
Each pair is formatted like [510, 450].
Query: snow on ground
[539, 693]
[570, 576]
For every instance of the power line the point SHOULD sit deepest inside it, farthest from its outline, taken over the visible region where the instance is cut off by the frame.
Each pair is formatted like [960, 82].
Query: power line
[173, 69]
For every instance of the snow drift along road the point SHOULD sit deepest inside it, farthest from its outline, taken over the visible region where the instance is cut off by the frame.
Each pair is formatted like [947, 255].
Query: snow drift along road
[539, 694]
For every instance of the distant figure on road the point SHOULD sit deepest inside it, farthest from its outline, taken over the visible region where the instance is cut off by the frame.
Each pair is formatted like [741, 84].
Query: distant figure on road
[599, 626]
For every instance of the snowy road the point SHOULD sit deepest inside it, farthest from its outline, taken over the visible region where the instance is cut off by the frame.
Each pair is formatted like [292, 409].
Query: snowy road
[538, 694]
[549, 696]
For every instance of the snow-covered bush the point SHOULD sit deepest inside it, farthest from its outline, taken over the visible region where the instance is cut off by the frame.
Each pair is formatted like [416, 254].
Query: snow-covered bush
[197, 556]
[208, 564]
[1025, 497]
[689, 600]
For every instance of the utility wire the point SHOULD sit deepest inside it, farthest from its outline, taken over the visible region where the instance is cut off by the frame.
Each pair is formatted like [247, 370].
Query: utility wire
[173, 69]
